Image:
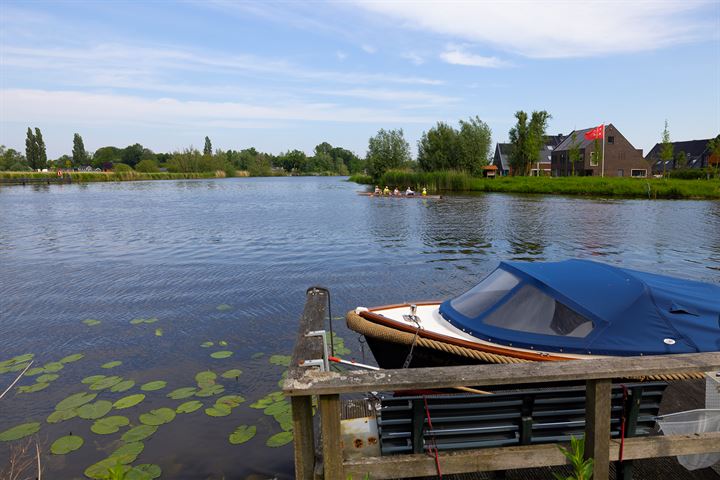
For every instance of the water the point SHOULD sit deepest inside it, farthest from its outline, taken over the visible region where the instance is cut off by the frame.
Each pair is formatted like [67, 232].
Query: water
[178, 250]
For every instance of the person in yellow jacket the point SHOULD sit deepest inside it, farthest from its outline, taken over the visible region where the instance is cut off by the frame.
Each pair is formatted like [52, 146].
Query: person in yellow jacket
[386, 191]
[424, 192]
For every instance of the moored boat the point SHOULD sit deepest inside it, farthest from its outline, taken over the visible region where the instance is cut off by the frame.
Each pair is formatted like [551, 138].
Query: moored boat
[554, 311]
[400, 195]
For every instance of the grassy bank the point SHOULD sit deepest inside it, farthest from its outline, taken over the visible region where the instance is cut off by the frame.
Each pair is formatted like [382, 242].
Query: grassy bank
[588, 186]
[117, 176]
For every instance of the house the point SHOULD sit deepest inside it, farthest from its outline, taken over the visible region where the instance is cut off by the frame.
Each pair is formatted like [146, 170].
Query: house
[687, 154]
[621, 158]
[501, 158]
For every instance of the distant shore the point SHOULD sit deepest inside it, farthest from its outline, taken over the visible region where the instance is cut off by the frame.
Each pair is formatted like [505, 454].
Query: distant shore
[652, 188]
[82, 177]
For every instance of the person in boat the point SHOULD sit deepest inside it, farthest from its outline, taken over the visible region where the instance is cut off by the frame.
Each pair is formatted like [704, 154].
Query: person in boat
[409, 192]
[377, 190]
[424, 192]
[386, 190]
[396, 192]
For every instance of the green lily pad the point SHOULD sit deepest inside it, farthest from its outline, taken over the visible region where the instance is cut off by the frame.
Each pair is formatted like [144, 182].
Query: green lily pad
[35, 387]
[257, 355]
[128, 452]
[48, 377]
[152, 386]
[221, 354]
[205, 379]
[210, 391]
[92, 411]
[189, 407]
[53, 367]
[75, 400]
[106, 382]
[34, 371]
[158, 332]
[181, 393]
[231, 401]
[222, 343]
[137, 321]
[129, 401]
[107, 425]
[113, 364]
[218, 410]
[234, 373]
[224, 307]
[158, 416]
[72, 358]
[92, 379]
[140, 432]
[242, 434]
[207, 344]
[339, 345]
[279, 439]
[268, 400]
[281, 360]
[90, 322]
[66, 444]
[123, 386]
[61, 415]
[19, 431]
[276, 408]
[26, 357]
[17, 367]
[145, 471]
[101, 470]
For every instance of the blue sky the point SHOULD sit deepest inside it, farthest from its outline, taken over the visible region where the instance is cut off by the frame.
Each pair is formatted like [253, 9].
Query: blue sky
[284, 75]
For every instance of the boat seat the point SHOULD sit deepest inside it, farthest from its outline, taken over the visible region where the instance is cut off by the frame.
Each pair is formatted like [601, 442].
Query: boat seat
[518, 417]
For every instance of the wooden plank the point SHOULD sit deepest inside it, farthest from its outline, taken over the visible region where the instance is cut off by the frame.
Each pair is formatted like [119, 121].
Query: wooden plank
[313, 318]
[485, 375]
[331, 437]
[303, 441]
[597, 426]
[507, 458]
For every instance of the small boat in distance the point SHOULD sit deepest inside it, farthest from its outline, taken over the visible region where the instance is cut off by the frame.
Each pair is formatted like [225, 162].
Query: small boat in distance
[400, 195]
[552, 311]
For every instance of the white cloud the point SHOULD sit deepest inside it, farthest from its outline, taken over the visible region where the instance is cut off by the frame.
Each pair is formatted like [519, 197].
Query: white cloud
[386, 95]
[368, 48]
[341, 55]
[556, 29]
[457, 55]
[413, 57]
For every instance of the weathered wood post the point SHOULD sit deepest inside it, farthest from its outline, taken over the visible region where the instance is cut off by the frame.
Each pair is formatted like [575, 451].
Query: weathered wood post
[331, 437]
[597, 426]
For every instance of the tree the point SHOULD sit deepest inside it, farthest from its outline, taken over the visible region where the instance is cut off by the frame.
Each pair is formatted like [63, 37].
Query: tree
[527, 140]
[104, 157]
[147, 166]
[387, 149]
[475, 140]
[11, 159]
[31, 149]
[713, 147]
[132, 154]
[439, 149]
[680, 159]
[574, 152]
[207, 150]
[294, 161]
[666, 149]
[79, 155]
[40, 146]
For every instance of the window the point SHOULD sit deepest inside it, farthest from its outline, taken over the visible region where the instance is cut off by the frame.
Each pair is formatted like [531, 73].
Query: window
[594, 159]
[485, 294]
[641, 173]
[611, 139]
[532, 311]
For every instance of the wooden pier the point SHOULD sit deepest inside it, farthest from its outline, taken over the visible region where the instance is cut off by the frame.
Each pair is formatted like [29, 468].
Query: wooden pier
[323, 457]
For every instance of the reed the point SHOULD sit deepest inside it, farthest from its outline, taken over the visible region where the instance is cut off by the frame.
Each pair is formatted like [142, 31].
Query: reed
[113, 176]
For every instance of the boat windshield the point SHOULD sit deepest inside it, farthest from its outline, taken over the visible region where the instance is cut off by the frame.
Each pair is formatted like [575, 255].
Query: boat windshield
[485, 294]
[532, 311]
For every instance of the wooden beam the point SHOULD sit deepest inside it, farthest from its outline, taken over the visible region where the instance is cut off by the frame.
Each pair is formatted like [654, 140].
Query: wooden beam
[597, 426]
[530, 456]
[304, 438]
[321, 383]
[331, 437]
[313, 318]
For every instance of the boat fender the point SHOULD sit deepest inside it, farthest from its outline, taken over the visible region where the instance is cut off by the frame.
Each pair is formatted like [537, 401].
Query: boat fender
[359, 310]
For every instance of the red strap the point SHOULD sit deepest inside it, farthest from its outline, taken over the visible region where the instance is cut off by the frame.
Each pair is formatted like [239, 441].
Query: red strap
[622, 424]
[433, 448]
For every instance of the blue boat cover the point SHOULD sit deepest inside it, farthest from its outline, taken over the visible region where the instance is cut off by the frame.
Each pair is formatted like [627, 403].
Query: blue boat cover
[580, 306]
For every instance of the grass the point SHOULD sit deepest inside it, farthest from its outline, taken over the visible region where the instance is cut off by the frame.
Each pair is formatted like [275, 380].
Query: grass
[113, 176]
[671, 188]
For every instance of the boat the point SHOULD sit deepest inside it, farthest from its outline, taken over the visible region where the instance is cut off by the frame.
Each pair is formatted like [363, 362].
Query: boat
[400, 195]
[547, 311]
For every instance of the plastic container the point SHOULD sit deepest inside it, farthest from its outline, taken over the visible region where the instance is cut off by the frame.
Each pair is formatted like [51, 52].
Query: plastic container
[693, 421]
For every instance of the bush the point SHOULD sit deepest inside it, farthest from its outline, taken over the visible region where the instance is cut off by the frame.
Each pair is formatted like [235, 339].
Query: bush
[691, 173]
[147, 166]
[121, 168]
[19, 167]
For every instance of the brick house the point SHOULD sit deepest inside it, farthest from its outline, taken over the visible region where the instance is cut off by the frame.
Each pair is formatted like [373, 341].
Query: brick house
[501, 158]
[695, 154]
[621, 158]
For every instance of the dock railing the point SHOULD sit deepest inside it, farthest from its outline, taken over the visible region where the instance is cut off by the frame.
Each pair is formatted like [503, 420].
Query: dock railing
[305, 381]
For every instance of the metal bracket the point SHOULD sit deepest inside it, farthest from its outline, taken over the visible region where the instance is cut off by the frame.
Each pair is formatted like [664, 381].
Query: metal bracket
[323, 363]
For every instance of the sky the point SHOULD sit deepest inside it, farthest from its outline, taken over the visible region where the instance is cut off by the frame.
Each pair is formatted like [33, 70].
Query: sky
[280, 75]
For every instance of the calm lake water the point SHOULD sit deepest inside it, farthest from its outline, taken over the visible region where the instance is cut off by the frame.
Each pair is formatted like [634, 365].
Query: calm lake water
[178, 250]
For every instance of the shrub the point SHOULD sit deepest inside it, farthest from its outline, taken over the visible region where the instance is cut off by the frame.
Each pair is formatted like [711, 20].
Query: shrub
[147, 166]
[121, 168]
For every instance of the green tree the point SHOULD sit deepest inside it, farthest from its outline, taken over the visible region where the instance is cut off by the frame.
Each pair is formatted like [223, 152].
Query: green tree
[132, 154]
[41, 152]
[713, 147]
[31, 149]
[11, 159]
[680, 159]
[105, 157]
[574, 152]
[294, 161]
[475, 140]
[527, 139]
[64, 161]
[188, 160]
[386, 150]
[666, 148]
[322, 163]
[439, 149]
[147, 166]
[79, 155]
[207, 150]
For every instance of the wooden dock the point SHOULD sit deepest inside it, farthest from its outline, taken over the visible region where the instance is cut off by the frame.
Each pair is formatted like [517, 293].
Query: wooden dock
[306, 381]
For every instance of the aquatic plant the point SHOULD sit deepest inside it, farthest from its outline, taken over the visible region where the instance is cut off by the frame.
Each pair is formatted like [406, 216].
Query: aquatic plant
[221, 354]
[218, 410]
[90, 322]
[48, 377]
[113, 364]
[61, 415]
[207, 344]
[92, 411]
[582, 468]
[189, 406]
[234, 373]
[19, 431]
[129, 401]
[66, 444]
[152, 386]
[211, 390]
[242, 434]
[92, 379]
[75, 400]
[107, 425]
[281, 360]
[279, 439]
[180, 393]
[106, 382]
[158, 332]
[140, 432]
[123, 386]
[72, 358]
[159, 416]
[223, 307]
[205, 379]
[138, 321]
[53, 367]
[35, 387]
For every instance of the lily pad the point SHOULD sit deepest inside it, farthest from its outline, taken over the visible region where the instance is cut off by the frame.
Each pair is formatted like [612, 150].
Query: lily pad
[90, 322]
[205, 379]
[138, 321]
[53, 367]
[234, 373]
[158, 332]
[92, 379]
[140, 432]
[279, 439]
[145, 471]
[277, 408]
[101, 469]
[129, 401]
[34, 371]
[218, 410]
[113, 364]
[35, 387]
[207, 344]
[92, 411]
[128, 452]
[26, 357]
[75, 400]
[16, 368]
[223, 307]
[231, 401]
[19, 431]
[106, 382]
[281, 360]
[61, 415]
[210, 391]
[158, 416]
[268, 400]
[66, 444]
[152, 386]
[181, 393]
[48, 377]
[189, 407]
[222, 343]
[123, 386]
[72, 358]
[242, 434]
[107, 425]
[257, 355]
[221, 354]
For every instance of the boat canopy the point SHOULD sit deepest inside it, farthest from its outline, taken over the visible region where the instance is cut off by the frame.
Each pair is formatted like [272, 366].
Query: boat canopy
[581, 306]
